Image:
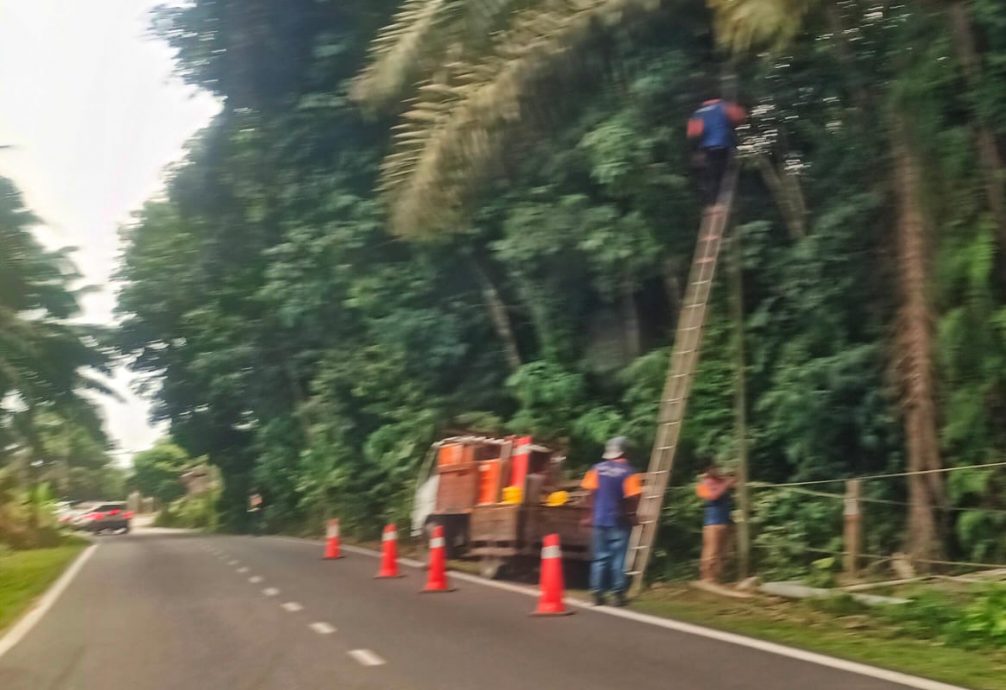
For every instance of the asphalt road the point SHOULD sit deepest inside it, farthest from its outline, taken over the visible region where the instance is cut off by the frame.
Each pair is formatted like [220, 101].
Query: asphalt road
[172, 611]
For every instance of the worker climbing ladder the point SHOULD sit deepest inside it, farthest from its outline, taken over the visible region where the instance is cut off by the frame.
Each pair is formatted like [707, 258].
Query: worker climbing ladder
[684, 362]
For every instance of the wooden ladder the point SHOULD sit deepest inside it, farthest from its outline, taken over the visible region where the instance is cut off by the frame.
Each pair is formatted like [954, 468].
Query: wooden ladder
[684, 362]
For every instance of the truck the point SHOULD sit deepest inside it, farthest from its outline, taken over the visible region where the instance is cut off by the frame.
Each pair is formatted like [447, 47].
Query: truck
[496, 499]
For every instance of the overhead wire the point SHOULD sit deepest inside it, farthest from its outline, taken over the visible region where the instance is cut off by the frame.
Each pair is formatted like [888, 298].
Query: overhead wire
[890, 475]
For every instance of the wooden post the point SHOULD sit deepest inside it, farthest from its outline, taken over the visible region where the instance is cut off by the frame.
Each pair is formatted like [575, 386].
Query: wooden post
[740, 411]
[853, 546]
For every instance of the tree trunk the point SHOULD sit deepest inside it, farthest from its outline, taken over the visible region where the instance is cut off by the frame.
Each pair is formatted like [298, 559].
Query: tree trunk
[847, 56]
[630, 319]
[785, 189]
[672, 285]
[499, 316]
[989, 156]
[915, 352]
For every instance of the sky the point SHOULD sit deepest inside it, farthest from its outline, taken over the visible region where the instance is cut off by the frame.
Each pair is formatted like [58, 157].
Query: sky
[89, 102]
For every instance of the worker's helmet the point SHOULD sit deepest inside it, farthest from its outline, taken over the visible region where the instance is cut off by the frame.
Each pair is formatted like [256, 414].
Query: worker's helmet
[616, 448]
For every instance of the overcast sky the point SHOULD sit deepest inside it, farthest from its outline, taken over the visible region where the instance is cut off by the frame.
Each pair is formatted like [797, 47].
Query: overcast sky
[88, 99]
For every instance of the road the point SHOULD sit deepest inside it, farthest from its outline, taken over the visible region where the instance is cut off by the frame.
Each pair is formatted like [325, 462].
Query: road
[158, 610]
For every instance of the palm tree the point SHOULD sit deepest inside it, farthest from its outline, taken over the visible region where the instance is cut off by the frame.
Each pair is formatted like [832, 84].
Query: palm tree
[46, 361]
[487, 71]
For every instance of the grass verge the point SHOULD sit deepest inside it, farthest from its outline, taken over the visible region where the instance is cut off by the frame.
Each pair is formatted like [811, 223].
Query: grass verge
[855, 637]
[25, 575]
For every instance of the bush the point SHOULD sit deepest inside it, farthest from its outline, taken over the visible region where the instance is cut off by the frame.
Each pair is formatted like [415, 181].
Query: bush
[192, 512]
[983, 622]
[977, 622]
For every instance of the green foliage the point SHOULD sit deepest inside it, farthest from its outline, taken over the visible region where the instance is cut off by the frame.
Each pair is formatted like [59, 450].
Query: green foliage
[157, 472]
[975, 621]
[313, 357]
[50, 432]
[192, 512]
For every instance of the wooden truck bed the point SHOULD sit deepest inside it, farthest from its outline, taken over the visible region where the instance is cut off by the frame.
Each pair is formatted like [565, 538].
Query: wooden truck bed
[517, 530]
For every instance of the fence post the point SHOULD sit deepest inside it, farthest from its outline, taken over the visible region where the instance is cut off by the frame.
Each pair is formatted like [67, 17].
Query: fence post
[853, 540]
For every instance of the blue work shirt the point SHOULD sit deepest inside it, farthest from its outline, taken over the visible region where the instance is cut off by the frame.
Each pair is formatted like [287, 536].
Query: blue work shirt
[713, 124]
[611, 481]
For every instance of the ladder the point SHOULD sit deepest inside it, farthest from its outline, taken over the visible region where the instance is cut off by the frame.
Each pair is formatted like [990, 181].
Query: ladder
[684, 362]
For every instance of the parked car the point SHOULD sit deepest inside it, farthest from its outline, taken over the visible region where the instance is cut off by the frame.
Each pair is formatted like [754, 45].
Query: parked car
[107, 517]
[64, 512]
[77, 515]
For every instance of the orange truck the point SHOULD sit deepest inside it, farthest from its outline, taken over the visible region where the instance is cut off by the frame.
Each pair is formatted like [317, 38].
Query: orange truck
[496, 498]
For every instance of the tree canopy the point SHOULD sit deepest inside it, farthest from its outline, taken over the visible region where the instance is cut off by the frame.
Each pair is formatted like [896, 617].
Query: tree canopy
[303, 319]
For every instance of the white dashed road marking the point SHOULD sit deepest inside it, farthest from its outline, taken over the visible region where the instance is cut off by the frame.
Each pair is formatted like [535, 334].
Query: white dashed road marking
[242, 570]
[255, 579]
[366, 657]
[293, 606]
[234, 563]
[322, 628]
[270, 591]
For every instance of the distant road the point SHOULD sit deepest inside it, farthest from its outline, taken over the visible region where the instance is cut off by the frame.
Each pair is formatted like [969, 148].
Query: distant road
[163, 610]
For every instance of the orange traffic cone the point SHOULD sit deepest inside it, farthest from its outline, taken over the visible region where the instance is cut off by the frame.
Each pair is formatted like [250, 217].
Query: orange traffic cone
[333, 545]
[550, 603]
[389, 553]
[436, 579]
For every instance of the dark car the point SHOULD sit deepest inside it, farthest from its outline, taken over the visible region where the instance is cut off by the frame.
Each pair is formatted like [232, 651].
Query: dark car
[107, 517]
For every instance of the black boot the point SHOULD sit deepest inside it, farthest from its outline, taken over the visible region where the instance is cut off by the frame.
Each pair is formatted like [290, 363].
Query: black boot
[620, 599]
[598, 598]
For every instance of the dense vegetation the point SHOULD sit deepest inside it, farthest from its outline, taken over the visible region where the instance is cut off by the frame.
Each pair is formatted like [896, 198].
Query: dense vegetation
[51, 441]
[311, 320]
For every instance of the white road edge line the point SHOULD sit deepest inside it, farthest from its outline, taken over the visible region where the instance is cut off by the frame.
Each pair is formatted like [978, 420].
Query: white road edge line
[42, 606]
[366, 657]
[322, 628]
[270, 591]
[293, 606]
[688, 628]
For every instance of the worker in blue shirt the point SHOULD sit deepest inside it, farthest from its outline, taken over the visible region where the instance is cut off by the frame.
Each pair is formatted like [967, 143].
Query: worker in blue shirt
[711, 128]
[614, 487]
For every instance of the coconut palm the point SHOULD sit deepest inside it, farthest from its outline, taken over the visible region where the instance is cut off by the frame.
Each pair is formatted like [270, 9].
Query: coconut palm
[45, 359]
[486, 69]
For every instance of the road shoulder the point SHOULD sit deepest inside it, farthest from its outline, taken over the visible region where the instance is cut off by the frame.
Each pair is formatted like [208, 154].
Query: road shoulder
[889, 659]
[31, 583]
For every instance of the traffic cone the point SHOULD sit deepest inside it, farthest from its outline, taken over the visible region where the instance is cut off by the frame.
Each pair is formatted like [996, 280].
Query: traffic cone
[550, 602]
[389, 553]
[333, 545]
[436, 579]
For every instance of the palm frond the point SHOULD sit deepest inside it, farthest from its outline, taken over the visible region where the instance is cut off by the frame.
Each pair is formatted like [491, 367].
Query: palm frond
[745, 24]
[398, 52]
[458, 128]
[419, 37]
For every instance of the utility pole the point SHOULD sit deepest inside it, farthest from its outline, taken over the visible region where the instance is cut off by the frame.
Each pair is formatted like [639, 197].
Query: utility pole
[740, 407]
